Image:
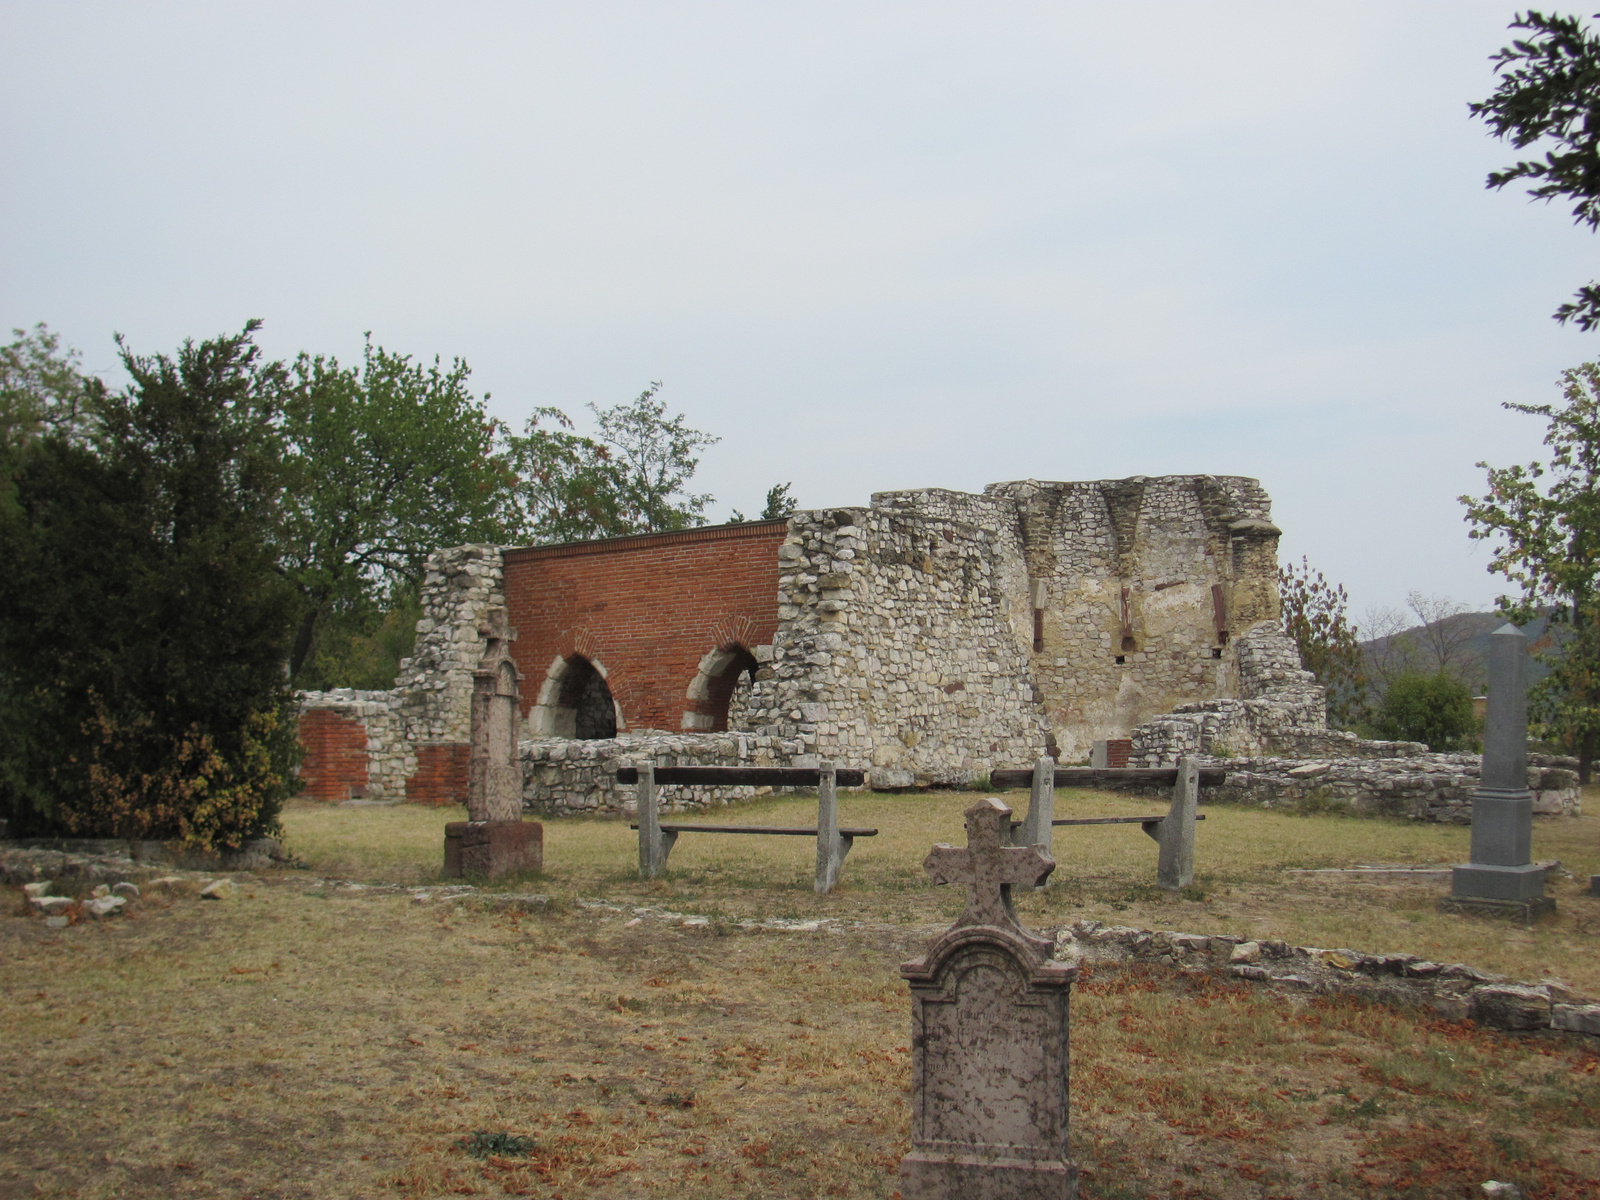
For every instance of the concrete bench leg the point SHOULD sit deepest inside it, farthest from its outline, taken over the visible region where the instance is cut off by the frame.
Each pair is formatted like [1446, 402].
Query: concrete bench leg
[831, 848]
[1175, 833]
[653, 847]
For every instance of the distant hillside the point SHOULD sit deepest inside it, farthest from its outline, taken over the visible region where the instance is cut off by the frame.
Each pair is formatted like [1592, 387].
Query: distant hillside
[1459, 644]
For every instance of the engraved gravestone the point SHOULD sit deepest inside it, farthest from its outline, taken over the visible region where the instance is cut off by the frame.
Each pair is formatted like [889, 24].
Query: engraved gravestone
[494, 840]
[989, 1034]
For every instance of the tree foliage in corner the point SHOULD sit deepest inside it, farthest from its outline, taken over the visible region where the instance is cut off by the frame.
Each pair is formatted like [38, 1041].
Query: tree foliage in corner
[1545, 519]
[1314, 616]
[632, 478]
[142, 692]
[1550, 93]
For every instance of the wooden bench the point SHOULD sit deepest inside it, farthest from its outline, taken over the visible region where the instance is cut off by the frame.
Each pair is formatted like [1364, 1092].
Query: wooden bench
[833, 842]
[1172, 831]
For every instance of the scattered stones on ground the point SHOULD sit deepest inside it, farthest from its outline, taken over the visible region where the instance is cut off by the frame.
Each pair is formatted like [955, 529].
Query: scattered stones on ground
[128, 891]
[219, 889]
[100, 907]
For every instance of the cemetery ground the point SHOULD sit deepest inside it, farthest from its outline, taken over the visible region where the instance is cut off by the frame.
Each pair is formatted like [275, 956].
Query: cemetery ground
[742, 1037]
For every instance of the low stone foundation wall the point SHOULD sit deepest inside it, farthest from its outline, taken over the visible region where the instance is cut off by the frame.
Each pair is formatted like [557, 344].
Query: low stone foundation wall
[1420, 787]
[1454, 990]
[564, 776]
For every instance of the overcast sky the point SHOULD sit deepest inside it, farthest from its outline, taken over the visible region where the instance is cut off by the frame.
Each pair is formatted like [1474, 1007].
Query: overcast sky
[871, 245]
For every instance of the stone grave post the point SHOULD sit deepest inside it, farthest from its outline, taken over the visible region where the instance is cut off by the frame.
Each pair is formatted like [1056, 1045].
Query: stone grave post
[1036, 827]
[1175, 835]
[494, 840]
[988, 1035]
[1502, 878]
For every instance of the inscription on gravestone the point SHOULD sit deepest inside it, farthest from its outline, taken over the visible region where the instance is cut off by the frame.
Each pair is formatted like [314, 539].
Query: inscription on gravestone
[989, 1034]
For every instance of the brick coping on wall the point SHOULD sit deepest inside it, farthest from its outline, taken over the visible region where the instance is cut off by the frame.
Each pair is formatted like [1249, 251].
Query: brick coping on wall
[700, 533]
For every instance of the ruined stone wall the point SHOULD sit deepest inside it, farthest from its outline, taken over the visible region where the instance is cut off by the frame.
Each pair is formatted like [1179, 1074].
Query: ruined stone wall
[416, 731]
[895, 647]
[930, 636]
[1135, 592]
[1411, 783]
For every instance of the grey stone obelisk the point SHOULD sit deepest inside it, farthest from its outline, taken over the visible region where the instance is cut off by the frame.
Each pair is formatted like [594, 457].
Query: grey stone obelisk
[1502, 878]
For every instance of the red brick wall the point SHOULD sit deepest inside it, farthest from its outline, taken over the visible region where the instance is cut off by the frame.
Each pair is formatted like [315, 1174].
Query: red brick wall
[443, 772]
[645, 608]
[335, 763]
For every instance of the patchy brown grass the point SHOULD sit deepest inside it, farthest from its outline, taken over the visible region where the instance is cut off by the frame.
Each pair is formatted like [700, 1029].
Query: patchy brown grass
[1107, 873]
[303, 1042]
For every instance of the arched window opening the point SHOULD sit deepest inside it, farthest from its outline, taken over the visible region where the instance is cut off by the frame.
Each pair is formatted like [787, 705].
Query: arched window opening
[737, 674]
[585, 696]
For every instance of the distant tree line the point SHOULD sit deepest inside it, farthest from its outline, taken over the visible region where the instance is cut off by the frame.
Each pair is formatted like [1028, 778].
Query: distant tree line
[185, 551]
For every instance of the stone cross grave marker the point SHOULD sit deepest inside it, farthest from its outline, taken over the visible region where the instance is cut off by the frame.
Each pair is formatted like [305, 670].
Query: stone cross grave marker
[1502, 878]
[989, 1034]
[494, 840]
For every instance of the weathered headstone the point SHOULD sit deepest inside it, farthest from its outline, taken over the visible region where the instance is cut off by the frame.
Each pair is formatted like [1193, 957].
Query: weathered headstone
[494, 840]
[1502, 878]
[989, 1034]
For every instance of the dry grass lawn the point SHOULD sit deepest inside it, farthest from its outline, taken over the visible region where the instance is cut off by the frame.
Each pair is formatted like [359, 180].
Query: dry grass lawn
[311, 1040]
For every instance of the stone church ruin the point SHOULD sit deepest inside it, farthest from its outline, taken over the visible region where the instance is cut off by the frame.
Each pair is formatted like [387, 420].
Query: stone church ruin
[928, 638]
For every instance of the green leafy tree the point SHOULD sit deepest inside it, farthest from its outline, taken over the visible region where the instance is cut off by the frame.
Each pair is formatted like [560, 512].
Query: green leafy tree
[1549, 93]
[1544, 519]
[1435, 709]
[1314, 616]
[569, 487]
[657, 457]
[42, 388]
[142, 691]
[632, 478]
[388, 462]
[780, 504]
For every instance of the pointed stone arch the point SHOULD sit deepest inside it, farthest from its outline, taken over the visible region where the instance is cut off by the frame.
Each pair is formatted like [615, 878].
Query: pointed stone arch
[575, 701]
[711, 691]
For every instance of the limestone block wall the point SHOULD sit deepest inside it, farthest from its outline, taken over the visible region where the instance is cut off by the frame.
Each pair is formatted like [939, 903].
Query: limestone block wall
[564, 775]
[1133, 593]
[435, 684]
[1281, 710]
[1417, 786]
[895, 648]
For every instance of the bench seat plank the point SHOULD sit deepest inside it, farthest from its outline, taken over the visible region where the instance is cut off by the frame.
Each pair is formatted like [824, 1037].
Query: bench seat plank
[844, 831]
[1115, 820]
[744, 776]
[1108, 778]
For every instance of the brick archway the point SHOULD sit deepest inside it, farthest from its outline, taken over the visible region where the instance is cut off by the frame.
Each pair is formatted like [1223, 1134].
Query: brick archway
[713, 686]
[572, 686]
